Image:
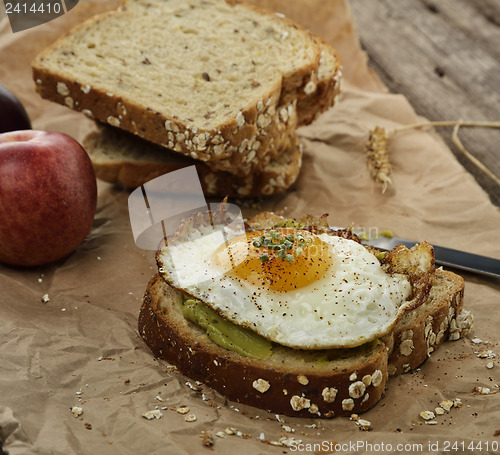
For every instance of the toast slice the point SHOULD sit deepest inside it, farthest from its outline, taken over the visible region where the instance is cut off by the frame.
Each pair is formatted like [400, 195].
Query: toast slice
[121, 157]
[213, 93]
[295, 382]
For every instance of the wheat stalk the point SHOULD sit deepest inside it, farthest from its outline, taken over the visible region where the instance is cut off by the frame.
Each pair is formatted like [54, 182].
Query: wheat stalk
[377, 148]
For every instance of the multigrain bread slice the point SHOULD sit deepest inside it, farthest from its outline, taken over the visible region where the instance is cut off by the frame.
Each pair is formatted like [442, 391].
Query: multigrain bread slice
[121, 157]
[205, 78]
[293, 381]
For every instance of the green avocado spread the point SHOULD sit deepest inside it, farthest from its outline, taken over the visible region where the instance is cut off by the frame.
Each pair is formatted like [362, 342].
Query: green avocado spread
[224, 333]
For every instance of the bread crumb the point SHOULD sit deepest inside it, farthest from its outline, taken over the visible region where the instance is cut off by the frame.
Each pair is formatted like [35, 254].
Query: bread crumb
[45, 298]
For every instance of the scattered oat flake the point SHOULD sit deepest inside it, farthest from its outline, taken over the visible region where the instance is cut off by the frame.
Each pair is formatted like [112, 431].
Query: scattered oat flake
[192, 386]
[364, 425]
[182, 410]
[45, 298]
[77, 411]
[190, 418]
[477, 340]
[439, 411]
[427, 415]
[230, 431]
[220, 434]
[158, 398]
[446, 405]
[155, 414]
[207, 439]
[486, 354]
[482, 390]
[431, 422]
[490, 365]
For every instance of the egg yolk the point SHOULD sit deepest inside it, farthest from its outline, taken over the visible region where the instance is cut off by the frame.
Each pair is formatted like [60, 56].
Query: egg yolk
[280, 259]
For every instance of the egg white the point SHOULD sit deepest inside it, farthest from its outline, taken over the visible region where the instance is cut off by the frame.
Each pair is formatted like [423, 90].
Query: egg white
[354, 302]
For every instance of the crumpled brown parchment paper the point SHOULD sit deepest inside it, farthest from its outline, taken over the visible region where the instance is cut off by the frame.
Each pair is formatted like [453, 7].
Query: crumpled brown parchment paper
[82, 347]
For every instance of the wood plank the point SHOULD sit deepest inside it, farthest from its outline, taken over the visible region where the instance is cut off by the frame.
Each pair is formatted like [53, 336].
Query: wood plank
[445, 58]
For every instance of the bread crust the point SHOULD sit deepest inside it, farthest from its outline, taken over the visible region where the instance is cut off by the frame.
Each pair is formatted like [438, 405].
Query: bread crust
[276, 177]
[359, 381]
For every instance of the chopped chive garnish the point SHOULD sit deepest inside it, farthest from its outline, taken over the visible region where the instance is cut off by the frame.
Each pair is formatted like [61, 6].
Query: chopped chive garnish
[264, 258]
[281, 254]
[289, 258]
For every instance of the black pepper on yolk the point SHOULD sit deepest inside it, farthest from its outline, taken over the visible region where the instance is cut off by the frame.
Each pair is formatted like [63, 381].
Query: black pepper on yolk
[243, 261]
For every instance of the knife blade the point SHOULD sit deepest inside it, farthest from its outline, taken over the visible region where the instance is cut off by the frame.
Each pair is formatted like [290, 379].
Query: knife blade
[447, 257]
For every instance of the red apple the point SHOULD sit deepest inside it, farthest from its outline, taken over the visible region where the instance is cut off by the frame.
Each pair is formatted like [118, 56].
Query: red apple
[13, 116]
[48, 196]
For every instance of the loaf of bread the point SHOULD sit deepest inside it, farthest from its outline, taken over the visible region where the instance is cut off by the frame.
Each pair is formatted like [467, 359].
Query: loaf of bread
[298, 382]
[121, 157]
[216, 80]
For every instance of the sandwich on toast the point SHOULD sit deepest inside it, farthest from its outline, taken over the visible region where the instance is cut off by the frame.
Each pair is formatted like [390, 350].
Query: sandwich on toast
[294, 317]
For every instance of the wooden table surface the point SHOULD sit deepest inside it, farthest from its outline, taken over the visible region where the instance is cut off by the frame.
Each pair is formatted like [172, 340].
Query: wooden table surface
[444, 56]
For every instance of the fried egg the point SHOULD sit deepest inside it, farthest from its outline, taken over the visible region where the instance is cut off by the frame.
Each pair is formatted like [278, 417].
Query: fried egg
[293, 287]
